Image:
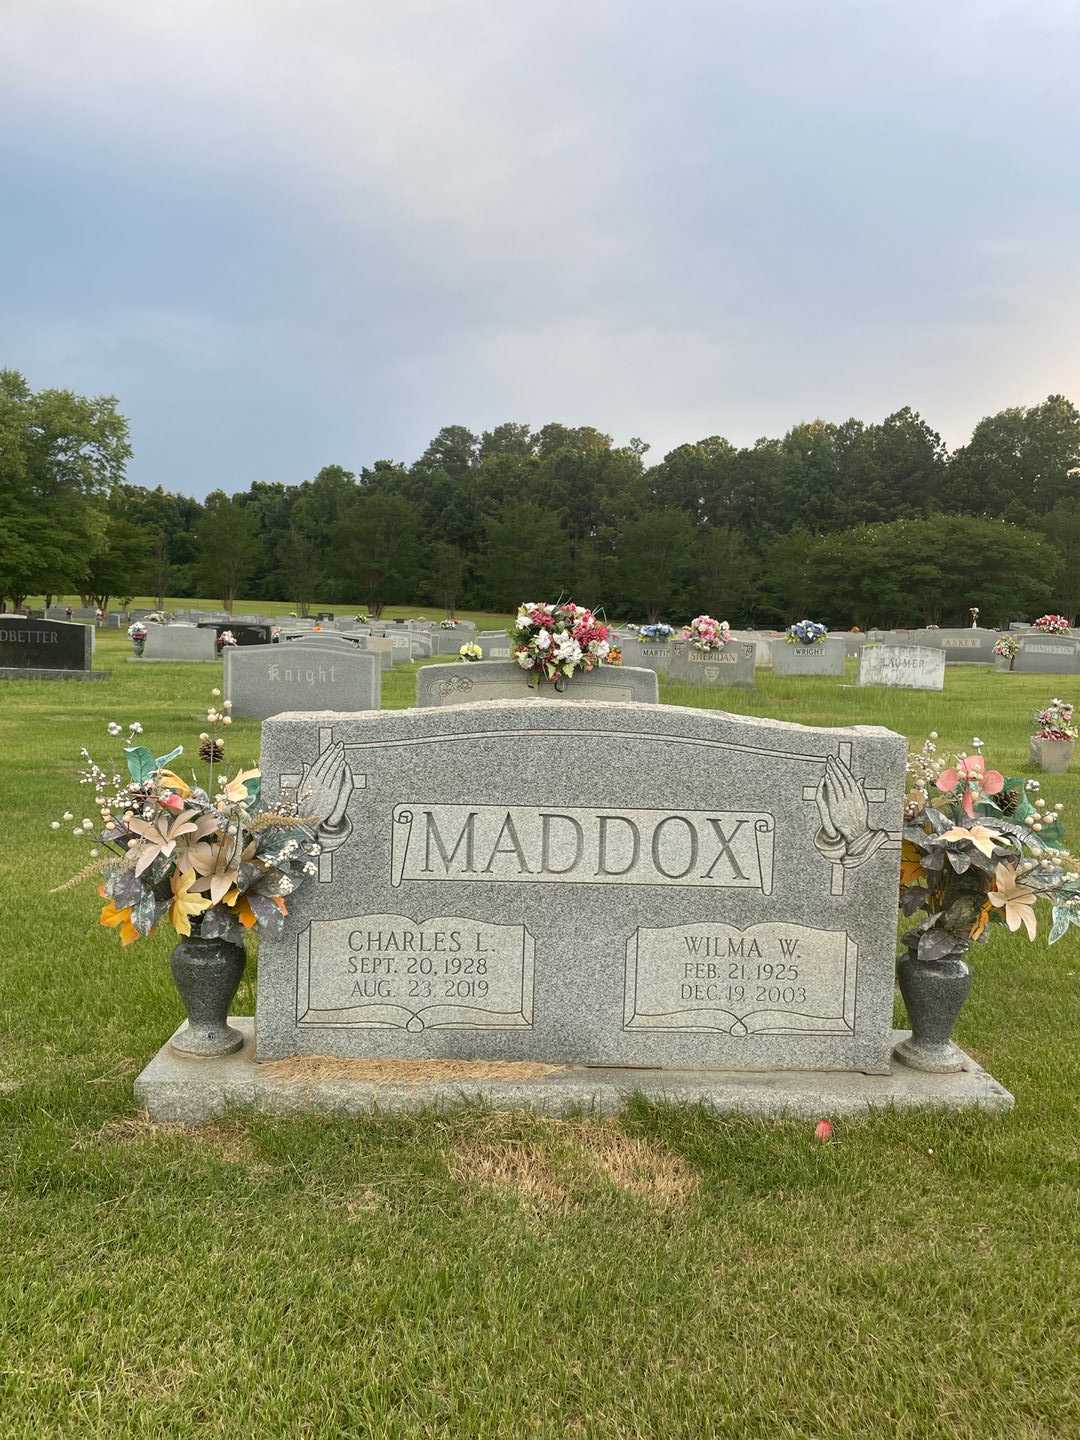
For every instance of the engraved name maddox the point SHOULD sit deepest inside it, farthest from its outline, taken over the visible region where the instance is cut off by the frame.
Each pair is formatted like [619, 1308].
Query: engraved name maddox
[531, 844]
[387, 971]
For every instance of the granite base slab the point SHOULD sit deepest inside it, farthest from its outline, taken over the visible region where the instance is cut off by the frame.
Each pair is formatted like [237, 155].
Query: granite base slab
[12, 672]
[178, 1089]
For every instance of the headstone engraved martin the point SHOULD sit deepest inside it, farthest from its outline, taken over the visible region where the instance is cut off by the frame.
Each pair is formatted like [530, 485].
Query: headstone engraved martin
[732, 664]
[591, 884]
[826, 659]
[263, 680]
[904, 667]
[42, 649]
[476, 680]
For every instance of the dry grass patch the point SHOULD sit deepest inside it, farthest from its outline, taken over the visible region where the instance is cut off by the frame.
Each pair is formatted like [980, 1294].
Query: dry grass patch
[224, 1142]
[316, 1069]
[558, 1163]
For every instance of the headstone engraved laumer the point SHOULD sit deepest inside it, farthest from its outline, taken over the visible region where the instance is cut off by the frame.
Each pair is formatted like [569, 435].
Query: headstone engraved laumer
[599, 884]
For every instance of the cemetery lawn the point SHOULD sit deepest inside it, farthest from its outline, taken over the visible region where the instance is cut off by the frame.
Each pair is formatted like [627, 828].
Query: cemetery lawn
[663, 1274]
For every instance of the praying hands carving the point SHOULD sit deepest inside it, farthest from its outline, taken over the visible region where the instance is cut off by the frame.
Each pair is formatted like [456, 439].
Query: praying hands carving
[845, 836]
[324, 791]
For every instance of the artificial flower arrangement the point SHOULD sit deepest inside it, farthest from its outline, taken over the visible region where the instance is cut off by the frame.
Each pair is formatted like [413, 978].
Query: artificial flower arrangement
[705, 633]
[555, 641]
[1007, 647]
[225, 639]
[471, 651]
[204, 857]
[977, 852]
[448, 624]
[1051, 625]
[806, 632]
[1055, 722]
[138, 633]
[655, 632]
[614, 656]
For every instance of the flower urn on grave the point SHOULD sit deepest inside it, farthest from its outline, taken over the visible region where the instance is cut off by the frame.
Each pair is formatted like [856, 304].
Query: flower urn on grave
[1051, 756]
[934, 992]
[207, 973]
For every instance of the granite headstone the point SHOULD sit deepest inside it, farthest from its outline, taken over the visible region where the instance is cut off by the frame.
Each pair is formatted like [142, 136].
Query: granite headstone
[263, 680]
[467, 681]
[903, 667]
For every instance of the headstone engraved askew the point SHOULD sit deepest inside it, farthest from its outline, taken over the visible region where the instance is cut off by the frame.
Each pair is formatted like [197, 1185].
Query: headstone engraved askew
[591, 884]
[904, 667]
[474, 680]
[263, 680]
[962, 646]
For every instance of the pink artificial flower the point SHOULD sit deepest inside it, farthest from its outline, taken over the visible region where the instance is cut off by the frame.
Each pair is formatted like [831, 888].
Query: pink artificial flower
[971, 772]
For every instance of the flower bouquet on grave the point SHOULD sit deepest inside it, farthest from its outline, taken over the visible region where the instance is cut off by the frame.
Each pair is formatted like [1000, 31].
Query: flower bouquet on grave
[470, 651]
[138, 633]
[977, 853]
[705, 633]
[225, 639]
[448, 624]
[614, 656]
[1051, 625]
[1007, 647]
[1054, 738]
[806, 632]
[208, 859]
[553, 642]
[655, 632]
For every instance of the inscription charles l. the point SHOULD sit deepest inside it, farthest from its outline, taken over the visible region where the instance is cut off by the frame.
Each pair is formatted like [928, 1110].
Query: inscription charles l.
[522, 843]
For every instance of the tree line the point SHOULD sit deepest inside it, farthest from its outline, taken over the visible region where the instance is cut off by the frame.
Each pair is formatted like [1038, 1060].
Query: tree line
[853, 523]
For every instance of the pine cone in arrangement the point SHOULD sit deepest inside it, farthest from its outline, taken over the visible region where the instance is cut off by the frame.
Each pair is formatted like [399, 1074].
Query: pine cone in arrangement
[211, 750]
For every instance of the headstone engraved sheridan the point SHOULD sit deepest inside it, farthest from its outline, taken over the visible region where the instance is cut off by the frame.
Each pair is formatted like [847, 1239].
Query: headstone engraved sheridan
[732, 664]
[613, 885]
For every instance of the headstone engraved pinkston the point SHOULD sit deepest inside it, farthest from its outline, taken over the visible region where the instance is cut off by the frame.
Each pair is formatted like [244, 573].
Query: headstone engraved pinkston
[589, 884]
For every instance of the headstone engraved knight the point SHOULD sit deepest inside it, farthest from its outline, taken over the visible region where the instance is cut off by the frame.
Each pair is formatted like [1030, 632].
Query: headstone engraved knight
[589, 884]
[263, 680]
[177, 643]
[732, 664]
[825, 659]
[469, 681]
[45, 649]
[904, 667]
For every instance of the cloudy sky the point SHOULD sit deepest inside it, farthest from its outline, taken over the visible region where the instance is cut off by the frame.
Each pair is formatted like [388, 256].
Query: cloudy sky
[286, 234]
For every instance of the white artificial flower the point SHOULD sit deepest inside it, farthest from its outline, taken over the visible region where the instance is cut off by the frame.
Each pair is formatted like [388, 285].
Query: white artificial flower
[77, 831]
[603, 649]
[94, 854]
[114, 728]
[227, 705]
[524, 659]
[54, 825]
[67, 815]
[135, 728]
[226, 719]
[88, 824]
[543, 640]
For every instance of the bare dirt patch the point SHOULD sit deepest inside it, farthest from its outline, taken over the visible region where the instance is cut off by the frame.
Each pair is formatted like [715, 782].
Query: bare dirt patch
[314, 1069]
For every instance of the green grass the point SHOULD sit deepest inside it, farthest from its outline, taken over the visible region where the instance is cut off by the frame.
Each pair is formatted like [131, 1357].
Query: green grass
[668, 1274]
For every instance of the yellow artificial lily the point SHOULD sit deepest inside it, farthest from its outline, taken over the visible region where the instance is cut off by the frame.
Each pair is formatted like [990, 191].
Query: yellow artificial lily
[982, 920]
[980, 837]
[235, 789]
[171, 781]
[245, 914]
[1016, 900]
[911, 871]
[119, 919]
[185, 905]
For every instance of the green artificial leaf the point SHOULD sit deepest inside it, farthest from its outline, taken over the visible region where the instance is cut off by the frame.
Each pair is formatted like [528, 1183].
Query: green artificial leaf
[252, 787]
[1062, 920]
[163, 760]
[140, 762]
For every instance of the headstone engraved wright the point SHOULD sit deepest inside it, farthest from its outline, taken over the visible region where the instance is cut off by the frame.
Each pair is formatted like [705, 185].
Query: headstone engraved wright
[590, 884]
[826, 659]
[263, 680]
[904, 667]
[476, 680]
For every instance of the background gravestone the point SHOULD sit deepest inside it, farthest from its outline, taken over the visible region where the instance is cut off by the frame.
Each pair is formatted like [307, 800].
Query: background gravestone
[43, 649]
[962, 647]
[732, 665]
[263, 680]
[631, 885]
[648, 654]
[243, 632]
[1047, 655]
[904, 667]
[179, 643]
[827, 659]
[505, 680]
[383, 648]
[496, 644]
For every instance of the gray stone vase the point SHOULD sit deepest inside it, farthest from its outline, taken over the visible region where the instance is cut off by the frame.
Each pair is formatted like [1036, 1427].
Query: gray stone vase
[208, 975]
[934, 994]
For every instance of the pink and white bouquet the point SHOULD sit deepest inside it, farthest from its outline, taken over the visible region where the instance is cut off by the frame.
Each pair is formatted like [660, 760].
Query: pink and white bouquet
[1051, 625]
[555, 641]
[1055, 722]
[705, 633]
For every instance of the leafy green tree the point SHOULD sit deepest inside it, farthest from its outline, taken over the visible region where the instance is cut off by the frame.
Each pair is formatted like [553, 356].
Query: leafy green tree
[656, 563]
[377, 555]
[518, 564]
[59, 454]
[1061, 527]
[446, 575]
[228, 547]
[1018, 462]
[726, 574]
